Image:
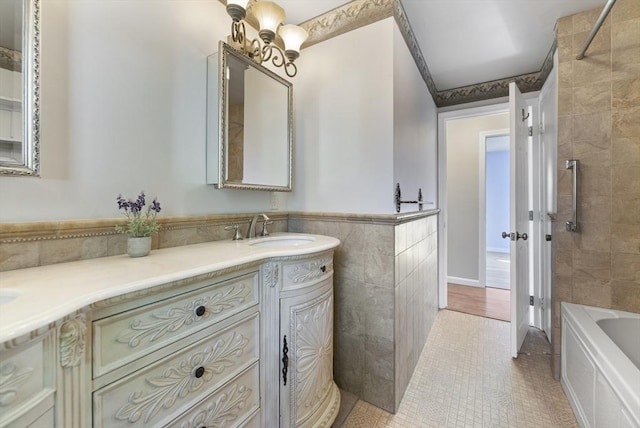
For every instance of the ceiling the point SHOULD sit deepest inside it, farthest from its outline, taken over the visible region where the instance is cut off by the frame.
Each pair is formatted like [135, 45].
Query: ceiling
[472, 41]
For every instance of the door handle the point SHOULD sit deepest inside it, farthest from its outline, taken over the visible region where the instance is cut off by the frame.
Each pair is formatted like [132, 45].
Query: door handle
[515, 236]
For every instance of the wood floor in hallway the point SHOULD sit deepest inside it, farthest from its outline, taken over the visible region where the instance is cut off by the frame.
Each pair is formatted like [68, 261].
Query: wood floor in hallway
[485, 302]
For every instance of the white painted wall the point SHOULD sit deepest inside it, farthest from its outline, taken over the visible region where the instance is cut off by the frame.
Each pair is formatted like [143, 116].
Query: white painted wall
[344, 123]
[123, 109]
[365, 120]
[415, 129]
[463, 198]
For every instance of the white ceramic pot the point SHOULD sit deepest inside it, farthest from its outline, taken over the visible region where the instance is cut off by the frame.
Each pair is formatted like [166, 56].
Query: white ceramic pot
[138, 247]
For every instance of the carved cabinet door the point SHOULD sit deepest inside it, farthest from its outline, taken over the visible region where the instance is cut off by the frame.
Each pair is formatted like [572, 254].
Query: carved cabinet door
[306, 355]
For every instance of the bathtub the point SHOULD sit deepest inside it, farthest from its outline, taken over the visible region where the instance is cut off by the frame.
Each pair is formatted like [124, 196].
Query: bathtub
[600, 367]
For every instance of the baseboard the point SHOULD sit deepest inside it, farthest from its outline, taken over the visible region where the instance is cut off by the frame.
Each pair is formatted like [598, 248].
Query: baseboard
[497, 250]
[464, 281]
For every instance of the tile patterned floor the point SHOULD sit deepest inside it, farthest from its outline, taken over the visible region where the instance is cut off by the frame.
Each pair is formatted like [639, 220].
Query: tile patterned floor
[466, 378]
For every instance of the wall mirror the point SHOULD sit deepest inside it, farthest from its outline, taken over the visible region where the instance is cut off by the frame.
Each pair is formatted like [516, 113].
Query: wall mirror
[19, 87]
[249, 124]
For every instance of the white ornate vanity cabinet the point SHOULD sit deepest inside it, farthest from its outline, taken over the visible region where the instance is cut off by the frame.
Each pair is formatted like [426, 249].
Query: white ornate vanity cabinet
[173, 339]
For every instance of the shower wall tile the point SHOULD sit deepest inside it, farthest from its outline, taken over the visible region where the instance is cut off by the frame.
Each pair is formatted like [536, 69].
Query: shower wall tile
[625, 238]
[625, 150]
[625, 10]
[625, 49]
[599, 265]
[592, 98]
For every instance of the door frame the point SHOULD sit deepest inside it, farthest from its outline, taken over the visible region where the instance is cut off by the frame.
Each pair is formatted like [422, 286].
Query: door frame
[482, 199]
[444, 116]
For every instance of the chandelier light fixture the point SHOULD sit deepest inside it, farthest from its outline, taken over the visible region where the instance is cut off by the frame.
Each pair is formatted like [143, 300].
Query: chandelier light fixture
[270, 17]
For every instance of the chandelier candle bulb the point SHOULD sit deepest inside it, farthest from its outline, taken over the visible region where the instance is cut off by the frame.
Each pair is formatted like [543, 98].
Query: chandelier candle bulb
[294, 36]
[269, 16]
[237, 9]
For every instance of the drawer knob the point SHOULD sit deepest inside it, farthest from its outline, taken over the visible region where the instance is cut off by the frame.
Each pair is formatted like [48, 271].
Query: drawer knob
[323, 268]
[200, 310]
[199, 372]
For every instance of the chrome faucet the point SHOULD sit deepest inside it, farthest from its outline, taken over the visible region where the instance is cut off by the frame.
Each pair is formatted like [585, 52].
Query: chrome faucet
[251, 233]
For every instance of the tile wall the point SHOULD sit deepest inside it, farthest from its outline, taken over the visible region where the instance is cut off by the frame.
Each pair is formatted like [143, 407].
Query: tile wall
[599, 124]
[386, 298]
[24, 245]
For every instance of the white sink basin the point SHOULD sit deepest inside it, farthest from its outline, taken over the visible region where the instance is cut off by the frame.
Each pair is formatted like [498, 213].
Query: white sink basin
[7, 296]
[282, 241]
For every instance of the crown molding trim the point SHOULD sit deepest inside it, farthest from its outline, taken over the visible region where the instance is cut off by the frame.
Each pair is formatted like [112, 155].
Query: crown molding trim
[359, 13]
[345, 18]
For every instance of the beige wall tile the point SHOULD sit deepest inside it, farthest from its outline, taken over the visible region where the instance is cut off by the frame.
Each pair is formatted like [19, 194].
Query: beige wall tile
[565, 74]
[626, 123]
[585, 21]
[565, 101]
[61, 250]
[601, 43]
[625, 209]
[591, 127]
[625, 49]
[624, 10]
[591, 292]
[595, 209]
[625, 298]
[564, 26]
[591, 69]
[591, 264]
[625, 238]
[592, 98]
[594, 174]
[625, 93]
[565, 127]
[625, 150]
[625, 180]
[593, 237]
[565, 48]
[625, 267]
[19, 255]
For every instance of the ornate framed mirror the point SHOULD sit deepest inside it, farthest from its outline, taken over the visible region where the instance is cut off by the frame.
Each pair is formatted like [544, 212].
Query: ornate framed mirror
[20, 87]
[249, 124]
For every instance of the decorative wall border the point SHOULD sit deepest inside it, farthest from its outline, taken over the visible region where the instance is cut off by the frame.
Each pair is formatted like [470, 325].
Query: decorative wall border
[359, 13]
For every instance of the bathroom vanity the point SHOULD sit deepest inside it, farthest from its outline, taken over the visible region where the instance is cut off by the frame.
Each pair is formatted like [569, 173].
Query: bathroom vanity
[227, 333]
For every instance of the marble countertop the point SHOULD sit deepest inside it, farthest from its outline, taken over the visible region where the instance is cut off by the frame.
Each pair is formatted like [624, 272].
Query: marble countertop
[46, 294]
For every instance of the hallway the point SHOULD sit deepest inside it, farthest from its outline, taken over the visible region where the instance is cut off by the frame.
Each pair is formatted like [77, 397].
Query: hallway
[466, 378]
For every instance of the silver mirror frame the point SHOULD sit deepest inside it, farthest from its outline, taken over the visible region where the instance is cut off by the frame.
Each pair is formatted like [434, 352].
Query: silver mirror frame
[223, 89]
[30, 94]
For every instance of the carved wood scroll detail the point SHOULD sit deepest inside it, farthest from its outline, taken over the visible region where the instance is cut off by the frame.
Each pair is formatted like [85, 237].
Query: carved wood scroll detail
[174, 319]
[314, 354]
[310, 271]
[72, 341]
[222, 410]
[272, 274]
[12, 379]
[178, 381]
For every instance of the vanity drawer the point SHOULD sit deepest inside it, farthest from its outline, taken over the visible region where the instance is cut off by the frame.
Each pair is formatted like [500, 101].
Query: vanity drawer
[305, 272]
[233, 405]
[154, 396]
[27, 381]
[126, 337]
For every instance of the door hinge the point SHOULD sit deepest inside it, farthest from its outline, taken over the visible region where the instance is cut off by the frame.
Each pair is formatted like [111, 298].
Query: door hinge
[531, 131]
[530, 215]
[530, 300]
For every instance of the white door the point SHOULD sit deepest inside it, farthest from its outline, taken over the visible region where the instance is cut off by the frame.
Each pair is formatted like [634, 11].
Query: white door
[519, 217]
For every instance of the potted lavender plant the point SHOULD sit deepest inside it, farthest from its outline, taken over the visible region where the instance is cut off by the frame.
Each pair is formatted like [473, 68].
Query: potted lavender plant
[141, 224]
